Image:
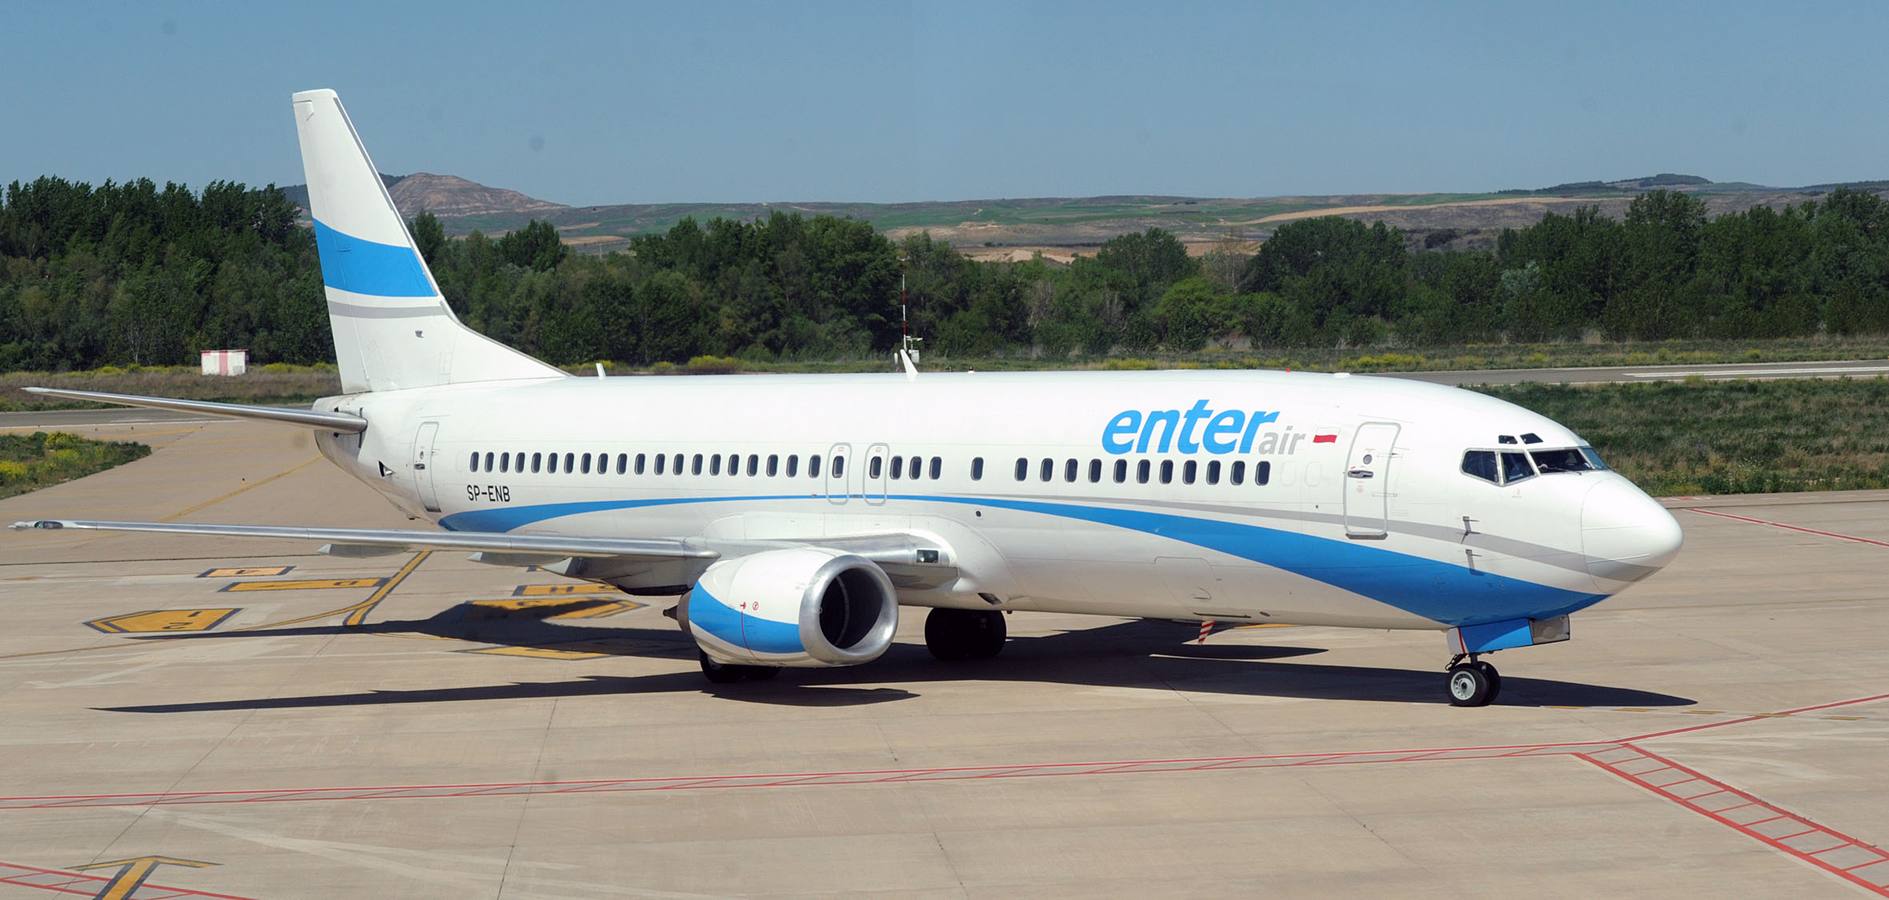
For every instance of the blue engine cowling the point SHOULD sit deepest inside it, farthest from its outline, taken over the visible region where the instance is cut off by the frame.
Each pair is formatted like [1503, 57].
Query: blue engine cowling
[802, 606]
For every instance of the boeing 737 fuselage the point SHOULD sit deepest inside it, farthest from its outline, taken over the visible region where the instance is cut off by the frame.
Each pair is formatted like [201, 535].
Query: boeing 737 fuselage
[796, 515]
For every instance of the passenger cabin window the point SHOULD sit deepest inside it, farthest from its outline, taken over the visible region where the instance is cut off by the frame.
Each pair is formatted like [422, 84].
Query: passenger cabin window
[875, 467]
[695, 464]
[714, 464]
[1048, 471]
[773, 464]
[977, 468]
[661, 458]
[641, 459]
[1236, 474]
[1188, 471]
[914, 467]
[1167, 471]
[1069, 470]
[754, 465]
[793, 464]
[813, 466]
[937, 467]
[474, 465]
[675, 464]
[1095, 471]
[1515, 467]
[1213, 472]
[1262, 473]
[488, 462]
[1481, 464]
[1023, 468]
[535, 459]
[504, 462]
[568, 457]
[838, 467]
[551, 463]
[1121, 471]
[1141, 472]
[898, 467]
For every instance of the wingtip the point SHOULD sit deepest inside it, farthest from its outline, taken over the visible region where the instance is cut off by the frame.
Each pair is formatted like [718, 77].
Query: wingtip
[37, 390]
[38, 523]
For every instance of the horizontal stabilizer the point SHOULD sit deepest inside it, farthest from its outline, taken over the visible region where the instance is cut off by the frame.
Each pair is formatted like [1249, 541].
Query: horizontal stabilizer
[473, 541]
[307, 418]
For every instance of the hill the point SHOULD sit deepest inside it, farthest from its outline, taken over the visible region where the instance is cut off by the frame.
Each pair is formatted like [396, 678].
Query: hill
[451, 198]
[1060, 227]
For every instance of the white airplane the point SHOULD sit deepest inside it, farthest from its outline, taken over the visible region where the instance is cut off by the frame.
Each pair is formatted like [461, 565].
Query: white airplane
[798, 514]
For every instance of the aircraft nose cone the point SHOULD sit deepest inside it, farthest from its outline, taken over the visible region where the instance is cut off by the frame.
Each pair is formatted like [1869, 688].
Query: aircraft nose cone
[1625, 534]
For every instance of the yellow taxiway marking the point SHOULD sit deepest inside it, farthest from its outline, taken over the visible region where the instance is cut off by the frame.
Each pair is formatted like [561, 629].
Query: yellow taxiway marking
[163, 620]
[247, 487]
[539, 652]
[355, 612]
[133, 872]
[579, 650]
[547, 608]
[305, 584]
[247, 572]
[563, 590]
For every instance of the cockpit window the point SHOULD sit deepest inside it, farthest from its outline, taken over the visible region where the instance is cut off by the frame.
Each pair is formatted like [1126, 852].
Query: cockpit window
[1515, 467]
[1567, 459]
[1593, 459]
[1481, 464]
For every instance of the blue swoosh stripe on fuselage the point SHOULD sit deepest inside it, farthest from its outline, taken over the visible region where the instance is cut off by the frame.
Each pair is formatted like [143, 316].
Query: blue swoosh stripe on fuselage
[707, 612]
[1442, 592]
[362, 266]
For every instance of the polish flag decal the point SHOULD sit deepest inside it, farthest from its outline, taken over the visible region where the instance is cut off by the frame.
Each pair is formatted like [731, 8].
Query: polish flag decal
[1324, 439]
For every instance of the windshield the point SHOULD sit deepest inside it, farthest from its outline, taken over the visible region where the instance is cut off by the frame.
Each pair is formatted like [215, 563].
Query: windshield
[1566, 459]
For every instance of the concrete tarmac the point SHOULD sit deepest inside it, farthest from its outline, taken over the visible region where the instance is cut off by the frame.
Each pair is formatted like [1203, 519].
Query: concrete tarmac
[249, 719]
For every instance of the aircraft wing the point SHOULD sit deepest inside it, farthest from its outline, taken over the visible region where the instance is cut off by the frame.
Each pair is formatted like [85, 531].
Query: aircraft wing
[307, 418]
[376, 541]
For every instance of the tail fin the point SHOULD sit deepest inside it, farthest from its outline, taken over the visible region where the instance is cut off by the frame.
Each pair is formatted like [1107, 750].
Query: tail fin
[392, 329]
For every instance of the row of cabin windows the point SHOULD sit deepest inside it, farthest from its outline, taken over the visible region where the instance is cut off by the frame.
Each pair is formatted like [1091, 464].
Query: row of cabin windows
[901, 467]
[1145, 470]
[774, 465]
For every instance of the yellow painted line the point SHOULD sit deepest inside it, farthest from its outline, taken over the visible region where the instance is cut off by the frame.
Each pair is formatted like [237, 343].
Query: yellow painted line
[305, 584]
[247, 487]
[547, 608]
[133, 872]
[359, 614]
[151, 620]
[581, 650]
[247, 572]
[563, 590]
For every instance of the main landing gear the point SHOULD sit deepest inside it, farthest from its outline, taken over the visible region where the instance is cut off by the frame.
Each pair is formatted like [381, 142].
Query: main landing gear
[729, 673]
[1473, 682]
[954, 634]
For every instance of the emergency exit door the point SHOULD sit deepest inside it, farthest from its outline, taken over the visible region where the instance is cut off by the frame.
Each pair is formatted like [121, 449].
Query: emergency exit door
[422, 465]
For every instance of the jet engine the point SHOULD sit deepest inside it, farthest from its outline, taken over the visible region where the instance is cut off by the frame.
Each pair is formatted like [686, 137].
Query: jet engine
[803, 606]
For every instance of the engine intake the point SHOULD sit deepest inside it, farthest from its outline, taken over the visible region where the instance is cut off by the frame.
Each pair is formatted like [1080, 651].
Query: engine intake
[804, 606]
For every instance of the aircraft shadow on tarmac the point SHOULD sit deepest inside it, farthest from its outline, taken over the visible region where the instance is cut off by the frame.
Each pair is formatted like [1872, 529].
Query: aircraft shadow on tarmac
[1142, 653]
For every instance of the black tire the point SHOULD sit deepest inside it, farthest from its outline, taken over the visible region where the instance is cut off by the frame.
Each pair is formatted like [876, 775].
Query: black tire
[1495, 679]
[761, 673]
[720, 673]
[986, 632]
[945, 634]
[1468, 685]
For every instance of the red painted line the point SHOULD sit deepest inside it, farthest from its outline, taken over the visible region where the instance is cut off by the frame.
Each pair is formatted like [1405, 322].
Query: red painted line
[1789, 527]
[1749, 829]
[1740, 720]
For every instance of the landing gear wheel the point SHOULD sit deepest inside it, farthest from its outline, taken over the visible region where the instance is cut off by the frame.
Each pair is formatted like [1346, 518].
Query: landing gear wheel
[954, 634]
[1470, 685]
[729, 673]
[1495, 679]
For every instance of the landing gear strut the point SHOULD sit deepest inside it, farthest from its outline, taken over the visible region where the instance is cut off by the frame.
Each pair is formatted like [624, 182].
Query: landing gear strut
[729, 673]
[1472, 682]
[954, 634]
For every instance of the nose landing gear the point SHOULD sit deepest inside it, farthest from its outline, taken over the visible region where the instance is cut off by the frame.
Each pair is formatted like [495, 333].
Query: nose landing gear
[1472, 682]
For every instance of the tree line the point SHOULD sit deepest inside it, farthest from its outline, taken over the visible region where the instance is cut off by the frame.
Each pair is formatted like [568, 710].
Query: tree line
[134, 274]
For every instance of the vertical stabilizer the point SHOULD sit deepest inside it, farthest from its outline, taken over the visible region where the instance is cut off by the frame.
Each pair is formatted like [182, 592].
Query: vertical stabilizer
[392, 329]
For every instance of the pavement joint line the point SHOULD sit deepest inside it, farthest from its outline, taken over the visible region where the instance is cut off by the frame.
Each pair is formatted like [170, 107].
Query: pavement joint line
[247, 487]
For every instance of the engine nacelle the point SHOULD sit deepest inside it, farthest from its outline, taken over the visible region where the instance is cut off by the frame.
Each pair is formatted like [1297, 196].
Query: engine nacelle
[802, 606]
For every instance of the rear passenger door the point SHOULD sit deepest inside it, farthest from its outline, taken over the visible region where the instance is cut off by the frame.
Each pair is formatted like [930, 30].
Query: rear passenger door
[836, 477]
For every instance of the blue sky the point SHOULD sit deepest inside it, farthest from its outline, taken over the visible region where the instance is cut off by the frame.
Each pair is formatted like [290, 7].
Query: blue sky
[885, 101]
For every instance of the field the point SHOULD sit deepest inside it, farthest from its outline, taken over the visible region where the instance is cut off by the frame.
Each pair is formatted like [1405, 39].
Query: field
[29, 462]
[1728, 437]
